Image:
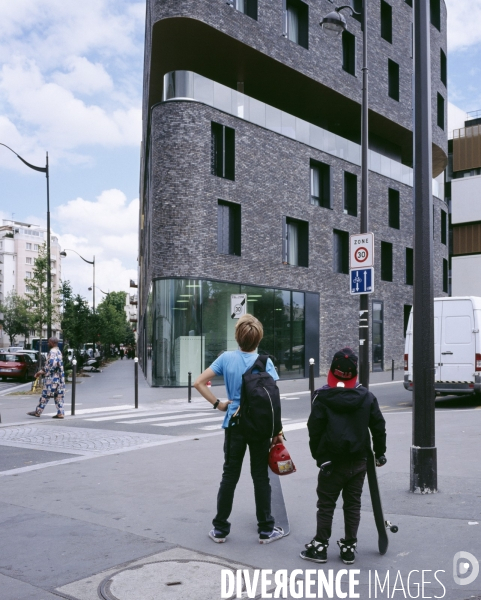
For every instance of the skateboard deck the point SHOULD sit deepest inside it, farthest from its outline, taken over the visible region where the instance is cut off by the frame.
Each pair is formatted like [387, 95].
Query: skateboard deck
[381, 525]
[278, 506]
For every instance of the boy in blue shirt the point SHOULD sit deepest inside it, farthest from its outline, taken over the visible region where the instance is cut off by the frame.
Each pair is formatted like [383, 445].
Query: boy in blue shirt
[232, 365]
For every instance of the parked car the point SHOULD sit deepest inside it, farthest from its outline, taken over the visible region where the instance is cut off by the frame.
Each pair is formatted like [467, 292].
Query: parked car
[32, 353]
[457, 346]
[16, 366]
[15, 349]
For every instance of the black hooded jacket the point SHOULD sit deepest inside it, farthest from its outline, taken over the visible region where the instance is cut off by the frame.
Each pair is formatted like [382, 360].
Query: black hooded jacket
[340, 421]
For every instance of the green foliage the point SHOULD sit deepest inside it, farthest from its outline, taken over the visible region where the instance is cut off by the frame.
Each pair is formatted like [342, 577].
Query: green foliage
[112, 319]
[15, 320]
[77, 318]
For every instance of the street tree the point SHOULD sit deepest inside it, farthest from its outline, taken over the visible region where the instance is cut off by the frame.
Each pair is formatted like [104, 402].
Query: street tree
[14, 316]
[76, 321]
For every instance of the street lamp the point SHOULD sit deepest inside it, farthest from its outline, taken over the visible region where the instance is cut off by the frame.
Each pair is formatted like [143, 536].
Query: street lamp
[90, 289]
[49, 266]
[90, 262]
[334, 23]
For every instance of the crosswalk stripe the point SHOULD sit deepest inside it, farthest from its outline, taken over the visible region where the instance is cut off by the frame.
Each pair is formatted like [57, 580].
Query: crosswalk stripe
[136, 412]
[153, 419]
[294, 426]
[102, 409]
[193, 422]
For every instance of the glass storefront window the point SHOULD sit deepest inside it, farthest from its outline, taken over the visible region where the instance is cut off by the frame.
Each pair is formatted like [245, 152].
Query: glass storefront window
[189, 325]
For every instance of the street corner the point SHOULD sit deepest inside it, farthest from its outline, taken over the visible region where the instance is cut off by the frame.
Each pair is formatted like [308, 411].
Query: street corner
[178, 573]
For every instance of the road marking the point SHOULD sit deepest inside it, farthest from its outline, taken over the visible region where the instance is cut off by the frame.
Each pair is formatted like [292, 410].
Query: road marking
[103, 409]
[153, 419]
[141, 413]
[294, 426]
[193, 422]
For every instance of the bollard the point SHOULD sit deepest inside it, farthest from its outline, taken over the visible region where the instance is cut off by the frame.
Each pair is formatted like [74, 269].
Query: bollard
[392, 370]
[74, 385]
[136, 369]
[189, 390]
[311, 377]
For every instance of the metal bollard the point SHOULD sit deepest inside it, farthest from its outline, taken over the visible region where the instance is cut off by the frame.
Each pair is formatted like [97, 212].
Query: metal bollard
[74, 385]
[136, 369]
[392, 370]
[189, 388]
[311, 377]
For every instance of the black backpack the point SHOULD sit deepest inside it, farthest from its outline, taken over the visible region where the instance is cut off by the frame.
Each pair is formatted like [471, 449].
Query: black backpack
[259, 417]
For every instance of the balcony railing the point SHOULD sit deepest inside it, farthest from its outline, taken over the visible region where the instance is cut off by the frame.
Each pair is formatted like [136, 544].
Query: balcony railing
[186, 85]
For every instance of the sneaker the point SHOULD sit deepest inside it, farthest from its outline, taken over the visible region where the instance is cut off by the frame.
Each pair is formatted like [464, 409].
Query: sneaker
[316, 551]
[217, 536]
[347, 549]
[271, 536]
[34, 414]
[59, 416]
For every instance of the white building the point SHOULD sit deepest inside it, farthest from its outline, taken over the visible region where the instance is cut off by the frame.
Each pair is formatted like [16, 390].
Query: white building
[466, 209]
[19, 247]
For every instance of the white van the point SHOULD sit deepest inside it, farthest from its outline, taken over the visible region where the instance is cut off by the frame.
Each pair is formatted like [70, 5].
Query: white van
[457, 346]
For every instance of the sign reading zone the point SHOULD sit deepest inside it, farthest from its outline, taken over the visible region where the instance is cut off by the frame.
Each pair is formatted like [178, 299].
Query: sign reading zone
[361, 250]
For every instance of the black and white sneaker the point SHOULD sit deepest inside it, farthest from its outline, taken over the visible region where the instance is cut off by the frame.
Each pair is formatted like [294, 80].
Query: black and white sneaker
[267, 537]
[316, 551]
[347, 549]
[217, 536]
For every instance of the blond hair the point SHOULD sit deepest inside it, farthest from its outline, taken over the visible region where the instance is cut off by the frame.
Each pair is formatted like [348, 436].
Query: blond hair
[248, 333]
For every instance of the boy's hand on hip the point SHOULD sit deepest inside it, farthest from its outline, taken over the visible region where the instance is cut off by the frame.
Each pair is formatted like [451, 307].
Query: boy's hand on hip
[224, 405]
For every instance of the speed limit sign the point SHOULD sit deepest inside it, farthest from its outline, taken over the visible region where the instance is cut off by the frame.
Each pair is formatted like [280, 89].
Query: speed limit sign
[361, 250]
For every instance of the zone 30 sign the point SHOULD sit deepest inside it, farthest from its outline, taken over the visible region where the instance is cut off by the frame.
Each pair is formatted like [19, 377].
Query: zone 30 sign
[361, 250]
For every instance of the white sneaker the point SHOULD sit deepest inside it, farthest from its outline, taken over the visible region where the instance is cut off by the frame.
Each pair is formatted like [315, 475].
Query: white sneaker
[276, 534]
[216, 536]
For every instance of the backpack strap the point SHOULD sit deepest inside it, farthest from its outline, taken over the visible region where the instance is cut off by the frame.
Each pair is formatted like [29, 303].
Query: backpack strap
[259, 365]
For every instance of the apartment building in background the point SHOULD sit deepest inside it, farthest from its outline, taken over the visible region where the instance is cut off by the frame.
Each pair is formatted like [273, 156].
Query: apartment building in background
[251, 175]
[464, 187]
[19, 246]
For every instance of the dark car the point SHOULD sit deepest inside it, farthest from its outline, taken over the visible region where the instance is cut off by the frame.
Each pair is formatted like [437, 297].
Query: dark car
[16, 366]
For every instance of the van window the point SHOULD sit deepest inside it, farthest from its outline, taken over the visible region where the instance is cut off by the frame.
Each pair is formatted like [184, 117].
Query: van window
[457, 330]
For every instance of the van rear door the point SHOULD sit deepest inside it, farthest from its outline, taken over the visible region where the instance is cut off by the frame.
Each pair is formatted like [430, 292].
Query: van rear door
[457, 341]
[438, 311]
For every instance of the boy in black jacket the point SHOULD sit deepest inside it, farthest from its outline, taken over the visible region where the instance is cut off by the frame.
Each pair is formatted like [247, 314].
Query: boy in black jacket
[342, 414]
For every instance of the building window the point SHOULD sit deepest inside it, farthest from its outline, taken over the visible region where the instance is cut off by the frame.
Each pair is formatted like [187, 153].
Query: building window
[407, 313]
[386, 21]
[340, 256]
[445, 275]
[28, 246]
[28, 260]
[349, 52]
[295, 242]
[440, 111]
[377, 335]
[228, 228]
[393, 208]
[409, 3]
[444, 68]
[409, 275]
[393, 80]
[35, 247]
[386, 261]
[443, 227]
[436, 13]
[248, 7]
[357, 6]
[28, 275]
[223, 151]
[320, 184]
[350, 194]
[296, 24]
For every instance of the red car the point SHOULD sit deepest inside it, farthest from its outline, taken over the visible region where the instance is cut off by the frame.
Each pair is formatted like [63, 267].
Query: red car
[16, 366]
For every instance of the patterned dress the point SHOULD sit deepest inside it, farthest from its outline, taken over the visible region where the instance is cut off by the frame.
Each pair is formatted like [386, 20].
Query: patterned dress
[54, 382]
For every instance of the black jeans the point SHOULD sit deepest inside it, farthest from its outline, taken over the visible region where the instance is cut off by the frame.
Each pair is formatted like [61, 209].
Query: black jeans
[348, 477]
[259, 457]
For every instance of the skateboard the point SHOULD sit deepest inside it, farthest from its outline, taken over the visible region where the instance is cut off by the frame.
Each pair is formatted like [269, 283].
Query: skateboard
[381, 525]
[278, 506]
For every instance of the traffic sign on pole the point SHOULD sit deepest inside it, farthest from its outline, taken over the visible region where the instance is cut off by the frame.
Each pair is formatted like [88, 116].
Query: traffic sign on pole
[362, 281]
[238, 305]
[361, 250]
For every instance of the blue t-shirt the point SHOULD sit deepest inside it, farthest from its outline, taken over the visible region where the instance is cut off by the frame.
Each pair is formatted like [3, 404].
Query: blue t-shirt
[232, 365]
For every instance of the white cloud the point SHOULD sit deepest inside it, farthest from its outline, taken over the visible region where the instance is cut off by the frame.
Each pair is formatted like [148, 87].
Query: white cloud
[464, 18]
[84, 76]
[106, 229]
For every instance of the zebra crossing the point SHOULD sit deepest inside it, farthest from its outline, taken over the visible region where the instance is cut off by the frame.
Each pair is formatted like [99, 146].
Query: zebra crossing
[164, 418]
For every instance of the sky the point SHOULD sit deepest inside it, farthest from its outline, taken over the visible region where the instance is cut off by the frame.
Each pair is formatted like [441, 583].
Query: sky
[71, 84]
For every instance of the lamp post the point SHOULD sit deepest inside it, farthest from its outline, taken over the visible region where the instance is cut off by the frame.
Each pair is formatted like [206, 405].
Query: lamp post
[90, 262]
[49, 266]
[334, 23]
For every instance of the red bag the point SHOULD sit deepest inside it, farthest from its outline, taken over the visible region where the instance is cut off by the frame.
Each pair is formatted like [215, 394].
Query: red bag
[280, 460]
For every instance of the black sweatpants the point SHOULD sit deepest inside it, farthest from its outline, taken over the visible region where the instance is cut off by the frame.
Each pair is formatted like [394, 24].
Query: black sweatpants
[259, 459]
[346, 477]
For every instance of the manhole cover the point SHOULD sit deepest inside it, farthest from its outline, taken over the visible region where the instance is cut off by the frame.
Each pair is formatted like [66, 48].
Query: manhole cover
[176, 579]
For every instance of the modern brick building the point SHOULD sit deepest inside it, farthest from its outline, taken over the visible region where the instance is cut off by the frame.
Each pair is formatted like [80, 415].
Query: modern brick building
[250, 179]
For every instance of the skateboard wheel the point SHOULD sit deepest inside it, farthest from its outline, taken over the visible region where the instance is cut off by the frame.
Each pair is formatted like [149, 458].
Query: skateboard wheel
[394, 528]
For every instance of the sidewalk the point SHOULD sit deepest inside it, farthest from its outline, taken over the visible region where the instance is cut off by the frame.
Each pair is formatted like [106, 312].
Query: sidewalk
[133, 525]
